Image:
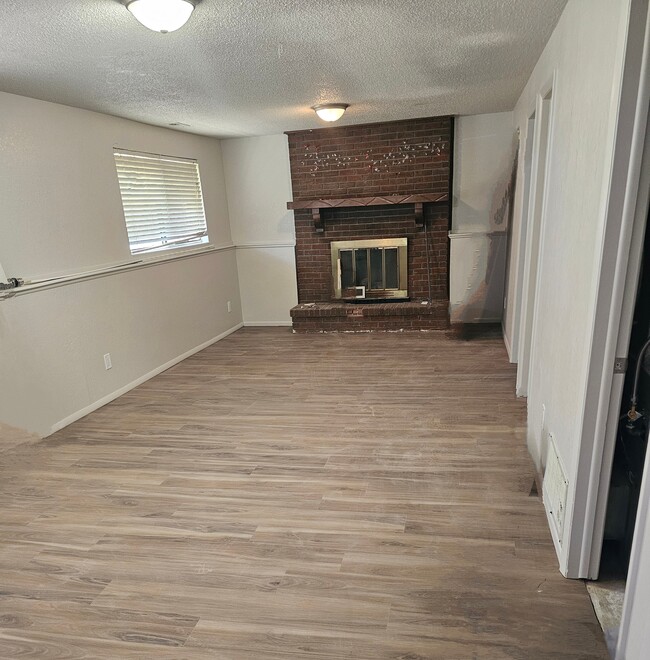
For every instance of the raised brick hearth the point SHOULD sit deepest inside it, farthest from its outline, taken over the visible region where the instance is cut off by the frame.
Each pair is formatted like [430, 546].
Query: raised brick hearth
[393, 158]
[349, 317]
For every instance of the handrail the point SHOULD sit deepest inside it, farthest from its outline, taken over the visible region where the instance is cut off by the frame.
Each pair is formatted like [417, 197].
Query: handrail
[30, 286]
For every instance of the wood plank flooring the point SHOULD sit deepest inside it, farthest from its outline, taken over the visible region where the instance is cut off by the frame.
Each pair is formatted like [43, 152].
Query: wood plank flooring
[282, 496]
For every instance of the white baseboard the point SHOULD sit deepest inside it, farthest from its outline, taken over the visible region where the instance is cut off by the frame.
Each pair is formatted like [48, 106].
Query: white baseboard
[138, 381]
[267, 324]
[506, 341]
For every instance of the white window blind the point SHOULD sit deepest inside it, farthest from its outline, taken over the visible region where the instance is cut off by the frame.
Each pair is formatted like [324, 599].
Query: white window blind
[162, 200]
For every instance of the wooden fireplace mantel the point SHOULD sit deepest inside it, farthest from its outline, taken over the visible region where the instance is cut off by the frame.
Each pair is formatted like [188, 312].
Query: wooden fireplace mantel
[418, 200]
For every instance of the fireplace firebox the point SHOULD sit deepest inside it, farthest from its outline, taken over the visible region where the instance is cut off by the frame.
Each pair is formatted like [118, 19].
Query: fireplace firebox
[372, 269]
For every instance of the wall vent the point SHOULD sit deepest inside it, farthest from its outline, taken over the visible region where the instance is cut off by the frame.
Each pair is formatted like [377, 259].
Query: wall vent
[555, 488]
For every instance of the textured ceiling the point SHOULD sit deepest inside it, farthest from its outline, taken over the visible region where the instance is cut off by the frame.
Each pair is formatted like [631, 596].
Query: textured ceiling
[255, 67]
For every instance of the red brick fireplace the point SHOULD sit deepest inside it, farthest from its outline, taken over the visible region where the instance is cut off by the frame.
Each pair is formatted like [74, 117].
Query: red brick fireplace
[377, 181]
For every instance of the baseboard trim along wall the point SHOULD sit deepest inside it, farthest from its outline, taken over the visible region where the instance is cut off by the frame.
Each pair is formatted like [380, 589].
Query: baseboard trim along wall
[506, 341]
[267, 324]
[138, 381]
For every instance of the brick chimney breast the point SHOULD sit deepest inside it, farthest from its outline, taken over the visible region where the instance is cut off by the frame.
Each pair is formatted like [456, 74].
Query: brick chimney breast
[386, 159]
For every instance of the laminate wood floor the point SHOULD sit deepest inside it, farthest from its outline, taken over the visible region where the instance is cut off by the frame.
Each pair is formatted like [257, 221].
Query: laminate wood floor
[283, 496]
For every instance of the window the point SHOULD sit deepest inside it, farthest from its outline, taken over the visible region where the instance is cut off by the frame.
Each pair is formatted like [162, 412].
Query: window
[162, 201]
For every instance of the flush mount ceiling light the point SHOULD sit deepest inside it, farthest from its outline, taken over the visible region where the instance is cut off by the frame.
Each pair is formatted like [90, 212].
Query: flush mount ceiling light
[161, 15]
[331, 111]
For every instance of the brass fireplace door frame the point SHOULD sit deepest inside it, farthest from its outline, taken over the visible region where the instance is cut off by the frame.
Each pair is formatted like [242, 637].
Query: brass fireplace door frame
[361, 292]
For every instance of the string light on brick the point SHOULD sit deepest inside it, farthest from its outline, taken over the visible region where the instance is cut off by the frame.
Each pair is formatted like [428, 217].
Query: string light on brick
[390, 161]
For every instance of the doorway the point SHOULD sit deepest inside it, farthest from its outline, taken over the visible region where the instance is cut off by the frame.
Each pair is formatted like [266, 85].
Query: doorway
[534, 233]
[607, 593]
[521, 252]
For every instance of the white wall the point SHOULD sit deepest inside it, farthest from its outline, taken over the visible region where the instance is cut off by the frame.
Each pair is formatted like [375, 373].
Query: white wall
[61, 213]
[258, 182]
[483, 156]
[584, 56]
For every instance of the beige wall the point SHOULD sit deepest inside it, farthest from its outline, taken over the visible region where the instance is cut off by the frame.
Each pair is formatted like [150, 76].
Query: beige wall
[483, 155]
[258, 182]
[484, 151]
[61, 213]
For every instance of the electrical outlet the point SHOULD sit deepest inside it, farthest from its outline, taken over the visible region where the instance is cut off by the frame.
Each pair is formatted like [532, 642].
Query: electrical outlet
[107, 361]
[229, 306]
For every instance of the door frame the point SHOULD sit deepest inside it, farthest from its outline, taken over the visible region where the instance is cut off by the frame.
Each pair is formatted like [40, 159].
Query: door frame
[642, 527]
[544, 112]
[635, 258]
[633, 626]
[626, 206]
[519, 267]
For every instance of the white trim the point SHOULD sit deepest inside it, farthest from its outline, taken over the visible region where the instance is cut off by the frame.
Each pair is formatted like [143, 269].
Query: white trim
[628, 304]
[525, 171]
[527, 217]
[475, 234]
[535, 220]
[551, 88]
[138, 381]
[506, 341]
[251, 246]
[267, 324]
[31, 286]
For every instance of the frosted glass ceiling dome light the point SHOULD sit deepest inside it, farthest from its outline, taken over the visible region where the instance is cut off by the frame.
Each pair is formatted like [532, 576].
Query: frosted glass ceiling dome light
[161, 15]
[331, 111]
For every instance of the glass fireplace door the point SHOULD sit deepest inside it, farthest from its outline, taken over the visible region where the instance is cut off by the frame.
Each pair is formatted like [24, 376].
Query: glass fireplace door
[370, 269]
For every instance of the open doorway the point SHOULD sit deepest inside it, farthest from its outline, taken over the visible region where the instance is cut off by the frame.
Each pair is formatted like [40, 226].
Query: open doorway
[631, 441]
[630, 450]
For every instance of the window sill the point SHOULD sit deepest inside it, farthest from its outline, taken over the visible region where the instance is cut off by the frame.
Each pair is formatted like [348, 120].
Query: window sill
[173, 247]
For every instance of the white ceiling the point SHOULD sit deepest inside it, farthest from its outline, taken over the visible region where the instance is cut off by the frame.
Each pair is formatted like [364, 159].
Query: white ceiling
[246, 67]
